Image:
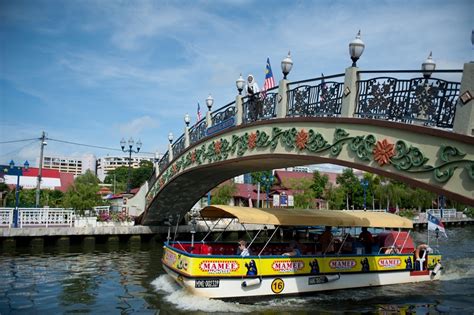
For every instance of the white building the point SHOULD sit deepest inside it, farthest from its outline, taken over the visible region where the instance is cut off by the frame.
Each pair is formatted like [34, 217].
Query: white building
[73, 165]
[108, 163]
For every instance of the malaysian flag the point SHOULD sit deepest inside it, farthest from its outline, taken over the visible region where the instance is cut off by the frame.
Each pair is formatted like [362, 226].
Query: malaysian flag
[269, 81]
[435, 224]
[199, 112]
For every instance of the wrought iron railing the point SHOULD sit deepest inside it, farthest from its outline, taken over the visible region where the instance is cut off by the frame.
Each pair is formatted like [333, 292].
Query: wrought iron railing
[223, 113]
[316, 97]
[427, 101]
[198, 131]
[178, 146]
[261, 106]
[163, 163]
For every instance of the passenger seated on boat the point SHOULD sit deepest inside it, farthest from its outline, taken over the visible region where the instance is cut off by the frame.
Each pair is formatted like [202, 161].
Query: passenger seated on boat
[294, 248]
[325, 239]
[243, 250]
[367, 240]
[392, 250]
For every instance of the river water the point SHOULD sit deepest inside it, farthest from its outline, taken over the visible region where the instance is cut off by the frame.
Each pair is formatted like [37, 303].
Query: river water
[128, 278]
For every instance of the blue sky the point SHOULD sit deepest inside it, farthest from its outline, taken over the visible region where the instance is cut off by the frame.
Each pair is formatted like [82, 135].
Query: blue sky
[93, 72]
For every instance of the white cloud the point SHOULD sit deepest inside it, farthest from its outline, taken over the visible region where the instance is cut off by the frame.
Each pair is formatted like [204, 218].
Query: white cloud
[136, 126]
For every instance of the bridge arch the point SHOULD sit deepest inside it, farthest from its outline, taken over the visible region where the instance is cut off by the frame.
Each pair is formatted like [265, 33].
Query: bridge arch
[437, 160]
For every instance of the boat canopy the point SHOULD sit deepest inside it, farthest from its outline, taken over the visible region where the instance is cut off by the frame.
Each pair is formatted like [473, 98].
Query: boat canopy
[307, 217]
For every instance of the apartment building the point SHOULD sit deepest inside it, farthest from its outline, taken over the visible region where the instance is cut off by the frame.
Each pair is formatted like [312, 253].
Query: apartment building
[72, 165]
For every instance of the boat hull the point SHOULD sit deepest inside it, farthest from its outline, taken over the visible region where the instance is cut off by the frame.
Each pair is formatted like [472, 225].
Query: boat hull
[265, 286]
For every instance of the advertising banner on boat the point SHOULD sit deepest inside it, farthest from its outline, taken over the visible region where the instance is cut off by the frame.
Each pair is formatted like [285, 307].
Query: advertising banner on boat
[214, 265]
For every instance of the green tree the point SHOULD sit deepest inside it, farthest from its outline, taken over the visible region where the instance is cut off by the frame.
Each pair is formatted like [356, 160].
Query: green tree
[303, 193]
[319, 184]
[138, 176]
[83, 194]
[352, 188]
[223, 193]
[335, 197]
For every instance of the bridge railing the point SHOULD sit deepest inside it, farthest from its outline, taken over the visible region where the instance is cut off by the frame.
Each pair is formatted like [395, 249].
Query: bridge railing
[316, 97]
[198, 131]
[261, 106]
[419, 100]
[178, 146]
[224, 113]
[425, 101]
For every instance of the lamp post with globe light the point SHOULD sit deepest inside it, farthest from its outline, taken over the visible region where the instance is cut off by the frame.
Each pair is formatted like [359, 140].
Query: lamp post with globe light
[130, 150]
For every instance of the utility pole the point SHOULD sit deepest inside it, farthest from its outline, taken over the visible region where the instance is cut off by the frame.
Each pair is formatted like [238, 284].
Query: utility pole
[38, 184]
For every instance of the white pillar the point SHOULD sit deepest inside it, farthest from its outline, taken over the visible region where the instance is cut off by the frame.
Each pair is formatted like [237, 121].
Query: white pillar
[239, 110]
[464, 119]
[349, 92]
[282, 99]
[186, 137]
[170, 152]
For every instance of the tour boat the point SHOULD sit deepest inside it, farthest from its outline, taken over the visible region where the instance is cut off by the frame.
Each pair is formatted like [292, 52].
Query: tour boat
[215, 270]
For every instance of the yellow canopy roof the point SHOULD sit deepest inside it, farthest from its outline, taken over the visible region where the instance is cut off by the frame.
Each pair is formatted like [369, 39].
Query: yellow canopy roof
[298, 217]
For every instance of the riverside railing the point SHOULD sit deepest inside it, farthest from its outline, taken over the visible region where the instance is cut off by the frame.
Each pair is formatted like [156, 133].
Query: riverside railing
[261, 106]
[6, 217]
[45, 217]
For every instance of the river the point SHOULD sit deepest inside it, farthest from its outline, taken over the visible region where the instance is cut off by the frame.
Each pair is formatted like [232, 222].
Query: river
[127, 278]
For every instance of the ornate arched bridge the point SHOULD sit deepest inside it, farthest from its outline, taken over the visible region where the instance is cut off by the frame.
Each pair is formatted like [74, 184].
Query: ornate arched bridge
[419, 131]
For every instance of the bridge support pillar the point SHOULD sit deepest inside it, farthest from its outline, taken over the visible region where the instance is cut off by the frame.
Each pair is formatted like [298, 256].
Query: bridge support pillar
[350, 92]
[282, 106]
[239, 110]
[464, 118]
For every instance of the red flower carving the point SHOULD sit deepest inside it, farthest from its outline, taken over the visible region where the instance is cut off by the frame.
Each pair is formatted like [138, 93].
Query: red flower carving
[193, 156]
[175, 168]
[162, 182]
[217, 147]
[301, 139]
[383, 151]
[252, 140]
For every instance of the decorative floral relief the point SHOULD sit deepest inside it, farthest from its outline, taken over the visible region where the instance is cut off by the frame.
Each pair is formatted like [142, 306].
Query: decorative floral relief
[383, 151]
[403, 157]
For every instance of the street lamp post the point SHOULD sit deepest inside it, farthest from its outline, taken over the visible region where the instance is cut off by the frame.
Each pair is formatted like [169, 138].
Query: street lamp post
[365, 184]
[267, 182]
[356, 48]
[130, 150]
[18, 171]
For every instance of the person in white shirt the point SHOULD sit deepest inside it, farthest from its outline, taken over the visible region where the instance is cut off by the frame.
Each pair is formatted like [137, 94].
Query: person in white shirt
[243, 248]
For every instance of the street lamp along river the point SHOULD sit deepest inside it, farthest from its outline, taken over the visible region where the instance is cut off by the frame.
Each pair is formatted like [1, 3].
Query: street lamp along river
[130, 150]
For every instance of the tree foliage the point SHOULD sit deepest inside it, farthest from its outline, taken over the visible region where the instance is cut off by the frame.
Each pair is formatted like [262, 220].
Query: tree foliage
[223, 193]
[319, 184]
[138, 176]
[83, 194]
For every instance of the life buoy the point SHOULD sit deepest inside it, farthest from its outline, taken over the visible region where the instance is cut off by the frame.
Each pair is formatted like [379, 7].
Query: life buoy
[422, 247]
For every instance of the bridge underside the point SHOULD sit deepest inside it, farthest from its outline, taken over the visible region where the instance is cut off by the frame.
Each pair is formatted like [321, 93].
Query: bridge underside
[435, 160]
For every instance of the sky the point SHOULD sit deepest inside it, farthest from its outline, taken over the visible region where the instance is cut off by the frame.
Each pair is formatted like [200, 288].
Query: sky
[92, 72]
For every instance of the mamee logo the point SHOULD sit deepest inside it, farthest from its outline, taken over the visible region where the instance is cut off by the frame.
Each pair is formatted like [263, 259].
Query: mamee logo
[287, 266]
[170, 258]
[226, 266]
[342, 264]
[389, 262]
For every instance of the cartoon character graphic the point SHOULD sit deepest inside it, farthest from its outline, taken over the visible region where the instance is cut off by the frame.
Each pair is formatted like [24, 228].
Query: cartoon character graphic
[251, 268]
[365, 264]
[182, 263]
[409, 263]
[314, 266]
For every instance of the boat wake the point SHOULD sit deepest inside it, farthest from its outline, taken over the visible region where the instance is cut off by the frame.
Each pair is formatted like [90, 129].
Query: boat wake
[456, 269]
[185, 301]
